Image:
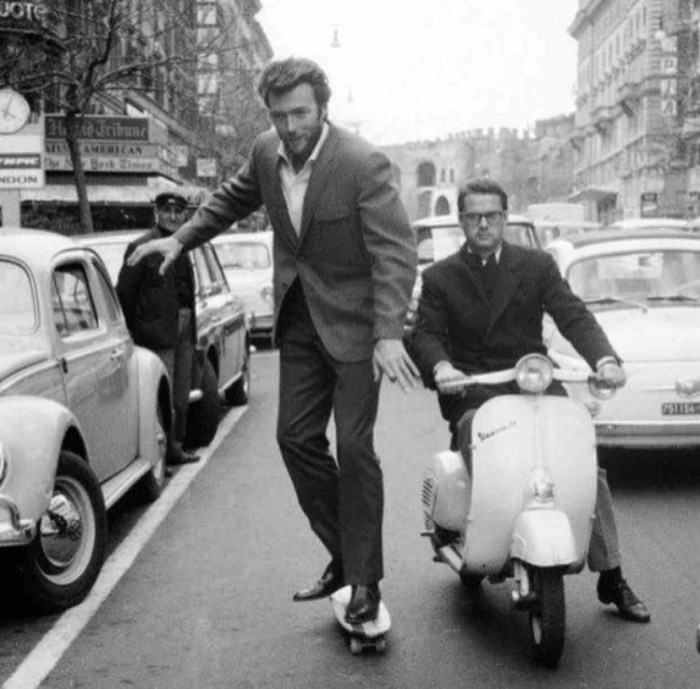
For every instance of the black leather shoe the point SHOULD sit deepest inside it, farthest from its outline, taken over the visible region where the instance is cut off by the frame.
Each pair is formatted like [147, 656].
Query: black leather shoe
[331, 580]
[619, 592]
[364, 604]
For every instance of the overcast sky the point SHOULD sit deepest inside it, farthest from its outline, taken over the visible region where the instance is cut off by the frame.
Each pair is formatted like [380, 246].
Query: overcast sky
[421, 69]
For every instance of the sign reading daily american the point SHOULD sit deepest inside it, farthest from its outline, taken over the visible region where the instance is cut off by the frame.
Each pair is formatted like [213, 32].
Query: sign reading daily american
[100, 128]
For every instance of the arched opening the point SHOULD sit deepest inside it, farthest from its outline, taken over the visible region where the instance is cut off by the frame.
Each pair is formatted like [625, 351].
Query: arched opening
[426, 174]
[442, 206]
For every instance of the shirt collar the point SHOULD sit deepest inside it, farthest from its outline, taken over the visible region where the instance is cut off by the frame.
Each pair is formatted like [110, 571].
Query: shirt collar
[282, 153]
[496, 253]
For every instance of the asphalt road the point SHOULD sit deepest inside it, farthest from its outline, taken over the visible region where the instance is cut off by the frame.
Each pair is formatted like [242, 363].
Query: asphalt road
[207, 601]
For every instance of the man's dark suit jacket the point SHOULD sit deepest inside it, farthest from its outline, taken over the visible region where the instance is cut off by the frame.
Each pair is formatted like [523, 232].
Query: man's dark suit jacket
[455, 321]
[355, 255]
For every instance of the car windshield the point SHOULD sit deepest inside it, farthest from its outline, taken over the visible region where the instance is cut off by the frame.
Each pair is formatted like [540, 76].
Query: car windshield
[246, 255]
[671, 275]
[18, 309]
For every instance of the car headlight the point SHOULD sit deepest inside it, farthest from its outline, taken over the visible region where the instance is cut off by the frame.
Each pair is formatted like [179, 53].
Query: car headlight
[4, 461]
[266, 293]
[534, 373]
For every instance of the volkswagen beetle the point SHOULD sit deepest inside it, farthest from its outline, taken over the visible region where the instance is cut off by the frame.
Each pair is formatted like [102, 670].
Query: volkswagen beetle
[84, 414]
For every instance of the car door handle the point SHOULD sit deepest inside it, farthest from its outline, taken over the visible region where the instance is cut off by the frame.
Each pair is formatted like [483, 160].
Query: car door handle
[116, 354]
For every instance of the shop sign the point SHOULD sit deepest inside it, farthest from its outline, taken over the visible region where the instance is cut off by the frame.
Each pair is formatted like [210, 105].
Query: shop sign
[132, 164]
[100, 128]
[104, 148]
[24, 11]
[21, 179]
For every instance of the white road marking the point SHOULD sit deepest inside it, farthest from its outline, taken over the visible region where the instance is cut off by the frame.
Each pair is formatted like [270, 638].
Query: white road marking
[34, 669]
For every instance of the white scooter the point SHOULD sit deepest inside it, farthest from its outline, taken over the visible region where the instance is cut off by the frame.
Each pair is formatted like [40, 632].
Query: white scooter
[526, 506]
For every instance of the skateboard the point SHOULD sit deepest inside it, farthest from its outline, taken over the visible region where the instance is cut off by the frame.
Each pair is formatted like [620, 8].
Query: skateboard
[368, 635]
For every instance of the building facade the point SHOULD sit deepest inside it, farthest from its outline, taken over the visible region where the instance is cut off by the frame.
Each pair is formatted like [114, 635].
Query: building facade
[637, 107]
[533, 167]
[179, 121]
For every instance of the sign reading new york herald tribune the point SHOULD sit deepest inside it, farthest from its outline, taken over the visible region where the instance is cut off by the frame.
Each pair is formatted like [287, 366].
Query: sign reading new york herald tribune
[99, 128]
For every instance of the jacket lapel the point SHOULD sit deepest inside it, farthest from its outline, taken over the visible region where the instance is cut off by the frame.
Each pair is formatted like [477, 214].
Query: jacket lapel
[277, 207]
[319, 177]
[509, 275]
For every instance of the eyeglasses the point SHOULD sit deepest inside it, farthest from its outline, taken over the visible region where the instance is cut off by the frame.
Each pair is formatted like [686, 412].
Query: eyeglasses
[474, 219]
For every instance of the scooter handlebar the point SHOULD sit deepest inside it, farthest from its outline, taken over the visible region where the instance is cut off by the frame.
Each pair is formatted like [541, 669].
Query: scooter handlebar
[566, 375]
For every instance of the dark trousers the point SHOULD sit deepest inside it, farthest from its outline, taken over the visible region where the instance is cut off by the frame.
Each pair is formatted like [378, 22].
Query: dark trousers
[344, 499]
[178, 362]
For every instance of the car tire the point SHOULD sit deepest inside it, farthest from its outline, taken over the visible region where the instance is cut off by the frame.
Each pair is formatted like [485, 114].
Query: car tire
[151, 484]
[239, 392]
[203, 415]
[58, 569]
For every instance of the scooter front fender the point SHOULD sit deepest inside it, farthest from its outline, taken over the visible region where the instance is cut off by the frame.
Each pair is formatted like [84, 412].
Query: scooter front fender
[544, 538]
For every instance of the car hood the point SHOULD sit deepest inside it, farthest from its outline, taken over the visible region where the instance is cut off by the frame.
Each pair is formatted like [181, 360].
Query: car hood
[15, 355]
[249, 279]
[659, 333]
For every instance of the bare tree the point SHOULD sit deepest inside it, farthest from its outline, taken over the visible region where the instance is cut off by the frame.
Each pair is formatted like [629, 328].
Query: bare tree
[111, 48]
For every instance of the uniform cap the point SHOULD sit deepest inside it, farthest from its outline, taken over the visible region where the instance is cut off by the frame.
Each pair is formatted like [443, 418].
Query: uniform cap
[170, 198]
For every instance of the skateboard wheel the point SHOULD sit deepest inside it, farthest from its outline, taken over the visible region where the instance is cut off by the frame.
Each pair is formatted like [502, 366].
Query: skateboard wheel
[381, 646]
[355, 646]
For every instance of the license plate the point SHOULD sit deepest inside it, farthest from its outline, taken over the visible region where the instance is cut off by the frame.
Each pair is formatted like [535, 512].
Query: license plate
[680, 408]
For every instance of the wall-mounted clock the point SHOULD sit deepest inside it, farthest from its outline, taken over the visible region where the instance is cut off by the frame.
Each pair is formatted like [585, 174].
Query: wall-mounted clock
[14, 111]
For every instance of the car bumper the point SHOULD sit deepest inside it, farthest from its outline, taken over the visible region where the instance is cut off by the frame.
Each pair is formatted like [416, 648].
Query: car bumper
[13, 529]
[648, 433]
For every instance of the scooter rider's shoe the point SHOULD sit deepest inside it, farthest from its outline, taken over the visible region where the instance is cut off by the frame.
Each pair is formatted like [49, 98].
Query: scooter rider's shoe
[364, 604]
[331, 580]
[617, 591]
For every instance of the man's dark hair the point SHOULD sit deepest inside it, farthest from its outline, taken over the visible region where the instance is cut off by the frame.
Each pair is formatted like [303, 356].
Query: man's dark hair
[282, 76]
[481, 186]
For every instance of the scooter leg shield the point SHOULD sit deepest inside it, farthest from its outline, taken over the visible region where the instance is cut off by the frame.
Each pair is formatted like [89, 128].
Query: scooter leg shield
[544, 538]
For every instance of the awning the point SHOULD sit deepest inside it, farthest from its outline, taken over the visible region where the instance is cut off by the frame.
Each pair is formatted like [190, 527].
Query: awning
[593, 193]
[129, 195]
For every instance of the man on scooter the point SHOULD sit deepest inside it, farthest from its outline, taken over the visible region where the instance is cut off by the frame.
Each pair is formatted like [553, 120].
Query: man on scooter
[480, 310]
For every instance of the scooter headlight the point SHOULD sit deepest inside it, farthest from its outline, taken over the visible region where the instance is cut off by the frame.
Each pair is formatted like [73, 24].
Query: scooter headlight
[534, 373]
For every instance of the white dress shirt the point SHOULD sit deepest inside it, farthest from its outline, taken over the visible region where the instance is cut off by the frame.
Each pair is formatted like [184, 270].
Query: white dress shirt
[295, 184]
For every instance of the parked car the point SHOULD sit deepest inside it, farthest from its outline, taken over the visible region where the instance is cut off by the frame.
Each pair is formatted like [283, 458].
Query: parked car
[549, 230]
[84, 414]
[439, 236]
[246, 258]
[644, 288]
[222, 364]
[650, 224]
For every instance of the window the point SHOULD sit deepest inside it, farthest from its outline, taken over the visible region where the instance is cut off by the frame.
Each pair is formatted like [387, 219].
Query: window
[18, 310]
[110, 298]
[73, 306]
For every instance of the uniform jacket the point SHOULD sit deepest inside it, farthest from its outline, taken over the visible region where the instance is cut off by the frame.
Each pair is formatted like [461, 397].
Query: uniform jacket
[456, 322]
[355, 255]
[149, 300]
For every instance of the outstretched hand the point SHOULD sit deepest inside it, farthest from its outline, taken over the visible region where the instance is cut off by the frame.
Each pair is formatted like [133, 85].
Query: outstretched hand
[391, 359]
[168, 247]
